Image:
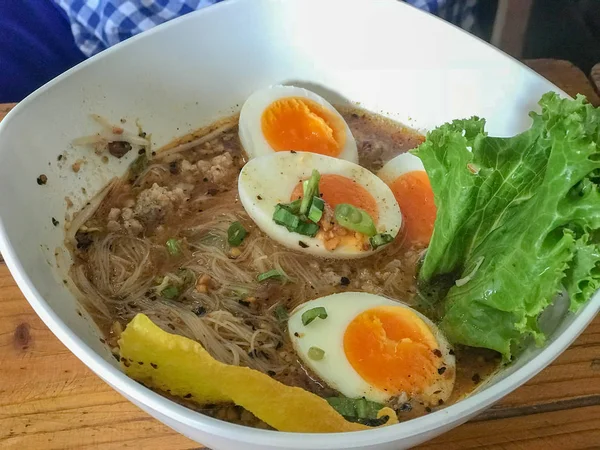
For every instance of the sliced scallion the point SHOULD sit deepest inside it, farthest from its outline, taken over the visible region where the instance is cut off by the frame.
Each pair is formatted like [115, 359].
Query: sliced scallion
[313, 313]
[236, 234]
[170, 292]
[316, 353]
[273, 273]
[281, 313]
[380, 239]
[310, 190]
[284, 217]
[358, 410]
[355, 219]
[316, 209]
[307, 229]
[173, 247]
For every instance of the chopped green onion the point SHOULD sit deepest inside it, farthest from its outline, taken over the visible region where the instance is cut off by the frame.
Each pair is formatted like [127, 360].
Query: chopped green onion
[186, 275]
[273, 273]
[138, 165]
[358, 410]
[170, 292]
[316, 209]
[316, 354]
[283, 217]
[355, 219]
[174, 247]
[310, 190]
[236, 234]
[380, 239]
[307, 229]
[281, 313]
[293, 207]
[312, 314]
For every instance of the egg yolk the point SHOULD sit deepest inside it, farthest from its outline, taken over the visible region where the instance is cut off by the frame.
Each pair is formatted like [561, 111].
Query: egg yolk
[336, 189]
[392, 349]
[300, 124]
[413, 193]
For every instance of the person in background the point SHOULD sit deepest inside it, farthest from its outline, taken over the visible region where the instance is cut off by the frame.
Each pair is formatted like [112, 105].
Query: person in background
[40, 39]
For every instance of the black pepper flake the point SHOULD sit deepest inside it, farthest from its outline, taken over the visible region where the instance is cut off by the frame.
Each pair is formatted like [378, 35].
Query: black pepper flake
[205, 179]
[428, 409]
[42, 179]
[103, 341]
[244, 303]
[293, 152]
[141, 151]
[296, 334]
[59, 157]
[344, 281]
[153, 153]
[437, 352]
[302, 244]
[451, 352]
[141, 363]
[199, 310]
[270, 373]
[441, 370]
[440, 402]
[187, 396]
[259, 197]
[55, 222]
[476, 378]
[154, 366]
[171, 326]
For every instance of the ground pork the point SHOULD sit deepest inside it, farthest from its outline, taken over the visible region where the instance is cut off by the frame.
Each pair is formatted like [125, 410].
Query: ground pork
[220, 169]
[155, 203]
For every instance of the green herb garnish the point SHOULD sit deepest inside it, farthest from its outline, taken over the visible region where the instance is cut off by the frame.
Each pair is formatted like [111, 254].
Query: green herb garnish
[316, 353]
[311, 189]
[281, 313]
[173, 247]
[358, 410]
[380, 239]
[355, 219]
[282, 216]
[170, 292]
[316, 209]
[313, 313]
[236, 233]
[273, 273]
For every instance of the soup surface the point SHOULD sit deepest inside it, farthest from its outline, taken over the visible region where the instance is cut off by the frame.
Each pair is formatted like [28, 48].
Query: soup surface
[200, 287]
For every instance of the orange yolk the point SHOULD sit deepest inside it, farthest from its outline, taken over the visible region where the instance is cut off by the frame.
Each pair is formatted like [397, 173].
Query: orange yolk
[413, 193]
[336, 189]
[392, 349]
[302, 125]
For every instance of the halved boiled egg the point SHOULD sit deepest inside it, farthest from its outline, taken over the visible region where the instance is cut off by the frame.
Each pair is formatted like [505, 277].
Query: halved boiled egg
[272, 180]
[284, 118]
[365, 345]
[406, 177]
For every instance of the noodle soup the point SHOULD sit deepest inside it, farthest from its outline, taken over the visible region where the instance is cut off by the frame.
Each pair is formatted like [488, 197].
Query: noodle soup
[156, 242]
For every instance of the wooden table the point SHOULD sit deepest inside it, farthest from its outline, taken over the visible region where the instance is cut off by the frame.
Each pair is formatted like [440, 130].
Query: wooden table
[50, 400]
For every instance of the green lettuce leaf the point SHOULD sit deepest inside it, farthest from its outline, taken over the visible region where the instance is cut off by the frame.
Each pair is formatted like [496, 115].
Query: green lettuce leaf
[512, 222]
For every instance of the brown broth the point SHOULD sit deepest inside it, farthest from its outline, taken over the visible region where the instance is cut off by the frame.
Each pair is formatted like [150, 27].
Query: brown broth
[198, 190]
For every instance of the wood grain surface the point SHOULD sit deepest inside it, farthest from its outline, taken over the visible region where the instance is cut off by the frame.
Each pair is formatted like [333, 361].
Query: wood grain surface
[50, 400]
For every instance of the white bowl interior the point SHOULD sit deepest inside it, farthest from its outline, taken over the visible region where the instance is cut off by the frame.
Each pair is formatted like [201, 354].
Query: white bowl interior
[388, 57]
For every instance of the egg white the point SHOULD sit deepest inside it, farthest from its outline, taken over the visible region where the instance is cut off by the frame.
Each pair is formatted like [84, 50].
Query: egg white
[401, 164]
[268, 180]
[328, 335]
[250, 124]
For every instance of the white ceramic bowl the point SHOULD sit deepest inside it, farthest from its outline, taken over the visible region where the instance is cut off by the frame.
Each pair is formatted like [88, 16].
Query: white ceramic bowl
[388, 56]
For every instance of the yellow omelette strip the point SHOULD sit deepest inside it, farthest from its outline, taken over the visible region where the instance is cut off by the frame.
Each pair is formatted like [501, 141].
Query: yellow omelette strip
[183, 367]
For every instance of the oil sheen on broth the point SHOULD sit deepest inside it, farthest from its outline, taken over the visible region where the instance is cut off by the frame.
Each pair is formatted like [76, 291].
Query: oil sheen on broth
[121, 262]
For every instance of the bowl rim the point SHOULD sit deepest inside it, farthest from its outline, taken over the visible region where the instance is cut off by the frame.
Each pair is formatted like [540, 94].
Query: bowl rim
[453, 414]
